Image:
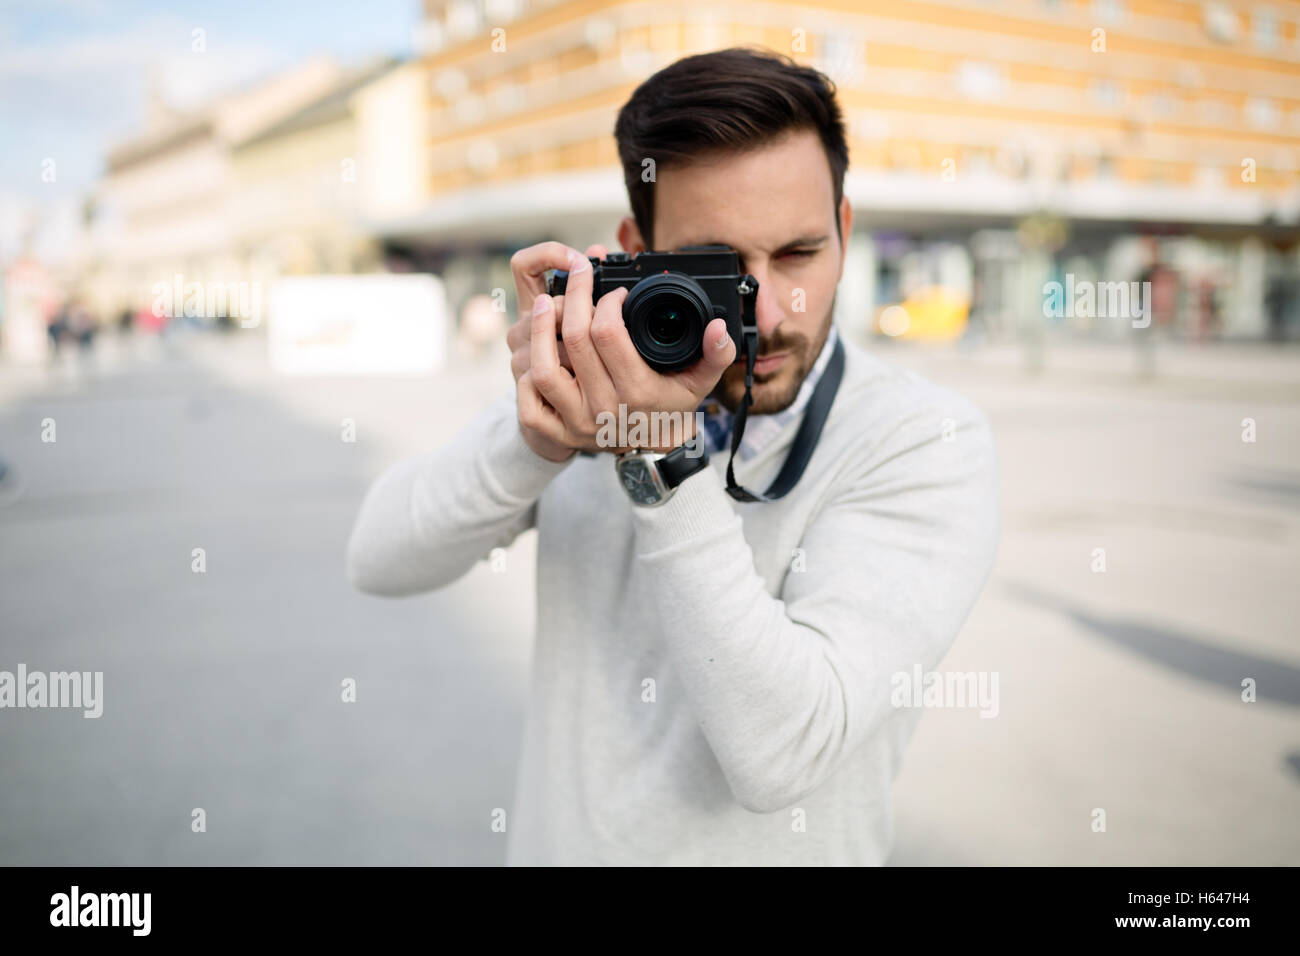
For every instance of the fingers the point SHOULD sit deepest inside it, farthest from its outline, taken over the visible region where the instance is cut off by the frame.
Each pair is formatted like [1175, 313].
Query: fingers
[595, 384]
[519, 340]
[529, 267]
[577, 289]
[518, 334]
[534, 414]
[521, 333]
[522, 357]
[553, 381]
[627, 369]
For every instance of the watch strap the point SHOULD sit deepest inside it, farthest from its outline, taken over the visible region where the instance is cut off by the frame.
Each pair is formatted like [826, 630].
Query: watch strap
[682, 462]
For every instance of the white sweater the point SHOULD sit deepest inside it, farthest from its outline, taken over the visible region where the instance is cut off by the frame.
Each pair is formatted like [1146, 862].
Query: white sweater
[770, 630]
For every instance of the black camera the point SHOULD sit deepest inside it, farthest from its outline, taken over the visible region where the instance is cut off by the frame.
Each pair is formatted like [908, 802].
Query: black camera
[672, 296]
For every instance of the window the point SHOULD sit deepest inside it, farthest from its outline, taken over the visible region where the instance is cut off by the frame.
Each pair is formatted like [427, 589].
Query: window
[1214, 112]
[841, 57]
[1221, 22]
[1264, 24]
[1161, 106]
[1262, 112]
[464, 17]
[981, 81]
[600, 33]
[468, 108]
[450, 83]
[509, 97]
[1208, 177]
[428, 37]
[1108, 11]
[482, 156]
[1105, 93]
[502, 11]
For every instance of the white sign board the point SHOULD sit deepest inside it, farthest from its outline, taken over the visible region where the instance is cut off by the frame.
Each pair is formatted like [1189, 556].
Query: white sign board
[29, 296]
[357, 325]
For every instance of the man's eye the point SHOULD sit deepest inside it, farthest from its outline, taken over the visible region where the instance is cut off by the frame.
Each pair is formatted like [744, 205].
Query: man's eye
[798, 253]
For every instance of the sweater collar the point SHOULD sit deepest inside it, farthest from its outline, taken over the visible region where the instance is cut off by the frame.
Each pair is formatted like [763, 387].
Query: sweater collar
[762, 429]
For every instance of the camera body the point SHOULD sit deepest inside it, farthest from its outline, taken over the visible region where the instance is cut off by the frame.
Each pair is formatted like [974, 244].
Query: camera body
[672, 297]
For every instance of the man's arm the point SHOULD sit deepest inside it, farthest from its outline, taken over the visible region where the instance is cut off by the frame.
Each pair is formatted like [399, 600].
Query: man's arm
[428, 520]
[784, 688]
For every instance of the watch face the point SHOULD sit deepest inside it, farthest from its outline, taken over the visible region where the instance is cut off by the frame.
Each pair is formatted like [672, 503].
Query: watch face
[635, 475]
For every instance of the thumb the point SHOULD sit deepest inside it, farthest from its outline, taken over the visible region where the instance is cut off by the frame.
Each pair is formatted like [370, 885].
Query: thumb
[719, 352]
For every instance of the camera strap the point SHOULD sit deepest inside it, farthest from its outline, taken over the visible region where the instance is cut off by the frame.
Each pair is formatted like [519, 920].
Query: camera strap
[810, 429]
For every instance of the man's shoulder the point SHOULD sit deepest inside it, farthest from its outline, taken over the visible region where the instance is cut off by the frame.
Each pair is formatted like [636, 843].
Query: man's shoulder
[879, 401]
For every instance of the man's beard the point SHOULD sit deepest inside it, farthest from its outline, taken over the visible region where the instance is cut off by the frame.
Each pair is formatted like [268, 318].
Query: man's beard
[730, 390]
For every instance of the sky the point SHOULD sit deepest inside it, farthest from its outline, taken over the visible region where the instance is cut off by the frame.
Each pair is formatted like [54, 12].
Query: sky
[75, 74]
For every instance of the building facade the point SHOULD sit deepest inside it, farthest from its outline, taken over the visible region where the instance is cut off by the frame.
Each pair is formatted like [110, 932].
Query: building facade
[996, 146]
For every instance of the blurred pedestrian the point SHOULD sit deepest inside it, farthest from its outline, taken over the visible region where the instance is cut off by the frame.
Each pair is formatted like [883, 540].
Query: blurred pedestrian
[57, 328]
[82, 325]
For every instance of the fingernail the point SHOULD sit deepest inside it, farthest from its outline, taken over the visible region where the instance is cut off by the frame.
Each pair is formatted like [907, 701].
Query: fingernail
[541, 304]
[722, 342]
[578, 263]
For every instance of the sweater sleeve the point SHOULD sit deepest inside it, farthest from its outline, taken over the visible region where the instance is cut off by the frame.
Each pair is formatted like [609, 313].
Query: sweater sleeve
[785, 687]
[427, 520]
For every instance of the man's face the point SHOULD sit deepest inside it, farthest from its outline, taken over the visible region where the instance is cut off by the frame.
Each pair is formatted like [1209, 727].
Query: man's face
[775, 206]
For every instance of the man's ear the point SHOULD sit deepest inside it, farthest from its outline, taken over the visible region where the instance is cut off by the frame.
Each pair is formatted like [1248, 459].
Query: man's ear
[629, 236]
[846, 229]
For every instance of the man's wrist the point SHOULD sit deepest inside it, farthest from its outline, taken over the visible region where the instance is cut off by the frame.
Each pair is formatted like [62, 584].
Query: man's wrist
[517, 468]
[544, 448]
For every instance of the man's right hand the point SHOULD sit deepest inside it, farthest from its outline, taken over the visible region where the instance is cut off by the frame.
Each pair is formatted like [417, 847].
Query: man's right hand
[529, 267]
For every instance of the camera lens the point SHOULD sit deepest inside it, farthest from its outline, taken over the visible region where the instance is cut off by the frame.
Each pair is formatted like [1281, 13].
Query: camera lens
[666, 327]
[665, 315]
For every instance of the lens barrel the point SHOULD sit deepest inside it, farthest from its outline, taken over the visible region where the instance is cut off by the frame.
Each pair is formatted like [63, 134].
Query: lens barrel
[665, 315]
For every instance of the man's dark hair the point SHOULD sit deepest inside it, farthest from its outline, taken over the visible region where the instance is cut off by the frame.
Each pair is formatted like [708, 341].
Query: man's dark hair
[725, 101]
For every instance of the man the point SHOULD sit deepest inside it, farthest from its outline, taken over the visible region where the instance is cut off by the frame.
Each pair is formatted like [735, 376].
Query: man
[712, 677]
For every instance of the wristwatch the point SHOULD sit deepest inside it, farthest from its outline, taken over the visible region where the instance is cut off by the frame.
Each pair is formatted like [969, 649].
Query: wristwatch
[650, 478]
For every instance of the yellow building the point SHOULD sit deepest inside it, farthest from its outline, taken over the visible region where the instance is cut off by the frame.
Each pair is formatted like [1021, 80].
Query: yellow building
[967, 119]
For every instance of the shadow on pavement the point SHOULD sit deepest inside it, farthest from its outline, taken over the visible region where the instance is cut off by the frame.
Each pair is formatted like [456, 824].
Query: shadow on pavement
[1191, 655]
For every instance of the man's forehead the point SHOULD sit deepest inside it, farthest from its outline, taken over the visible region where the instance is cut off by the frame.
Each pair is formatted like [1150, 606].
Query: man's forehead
[762, 199]
[745, 225]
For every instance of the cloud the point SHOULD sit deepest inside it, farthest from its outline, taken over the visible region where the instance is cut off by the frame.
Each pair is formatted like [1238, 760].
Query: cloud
[71, 97]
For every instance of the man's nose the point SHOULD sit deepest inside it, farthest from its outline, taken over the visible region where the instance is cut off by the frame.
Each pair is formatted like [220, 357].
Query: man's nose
[768, 310]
